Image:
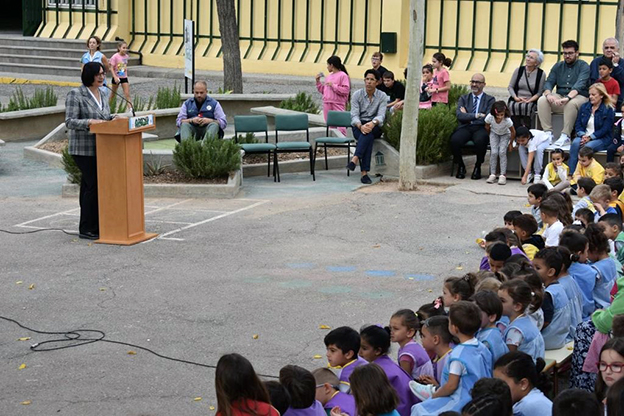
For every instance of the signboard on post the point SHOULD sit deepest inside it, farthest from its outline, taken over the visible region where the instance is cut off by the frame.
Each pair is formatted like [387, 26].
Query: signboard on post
[189, 53]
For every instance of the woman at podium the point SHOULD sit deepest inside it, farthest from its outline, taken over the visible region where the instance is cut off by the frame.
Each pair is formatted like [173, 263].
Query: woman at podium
[84, 107]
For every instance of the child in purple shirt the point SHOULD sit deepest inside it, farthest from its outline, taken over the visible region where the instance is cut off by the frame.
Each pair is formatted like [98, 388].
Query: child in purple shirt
[343, 345]
[302, 389]
[329, 396]
[412, 356]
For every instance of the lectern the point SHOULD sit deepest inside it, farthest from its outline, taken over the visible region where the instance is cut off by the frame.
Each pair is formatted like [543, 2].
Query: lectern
[120, 179]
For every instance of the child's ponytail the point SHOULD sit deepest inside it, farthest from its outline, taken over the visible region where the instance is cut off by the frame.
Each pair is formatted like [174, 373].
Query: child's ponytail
[575, 242]
[543, 381]
[598, 241]
[532, 279]
[440, 57]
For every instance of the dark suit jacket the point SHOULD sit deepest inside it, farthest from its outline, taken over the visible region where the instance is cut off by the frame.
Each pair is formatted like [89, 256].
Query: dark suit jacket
[466, 101]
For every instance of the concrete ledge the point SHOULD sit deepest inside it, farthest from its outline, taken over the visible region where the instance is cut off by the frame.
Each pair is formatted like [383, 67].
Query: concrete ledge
[14, 127]
[271, 112]
[40, 155]
[152, 190]
[2, 143]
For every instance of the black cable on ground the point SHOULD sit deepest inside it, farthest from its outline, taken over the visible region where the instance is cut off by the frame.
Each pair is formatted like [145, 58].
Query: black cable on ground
[76, 339]
[36, 231]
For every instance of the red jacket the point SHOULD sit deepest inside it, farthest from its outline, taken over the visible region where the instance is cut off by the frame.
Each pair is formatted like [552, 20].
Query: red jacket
[252, 408]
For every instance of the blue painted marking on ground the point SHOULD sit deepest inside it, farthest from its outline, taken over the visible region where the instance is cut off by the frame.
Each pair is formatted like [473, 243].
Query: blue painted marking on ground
[341, 269]
[301, 265]
[377, 295]
[296, 284]
[260, 279]
[381, 273]
[335, 289]
[419, 277]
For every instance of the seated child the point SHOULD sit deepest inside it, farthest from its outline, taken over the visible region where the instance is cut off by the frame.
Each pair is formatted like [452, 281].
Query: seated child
[536, 193]
[412, 357]
[616, 185]
[604, 265]
[586, 167]
[584, 216]
[581, 272]
[343, 345]
[601, 197]
[437, 341]
[612, 86]
[458, 288]
[491, 310]
[612, 227]
[373, 393]
[509, 217]
[584, 187]
[426, 311]
[613, 170]
[302, 389]
[522, 334]
[280, 398]
[497, 388]
[528, 274]
[526, 382]
[469, 361]
[497, 255]
[576, 402]
[329, 396]
[608, 326]
[549, 210]
[525, 228]
[556, 172]
[556, 305]
[531, 145]
[374, 347]
[611, 360]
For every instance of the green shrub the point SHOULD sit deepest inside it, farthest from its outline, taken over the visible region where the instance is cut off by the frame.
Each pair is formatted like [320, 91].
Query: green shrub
[117, 109]
[141, 105]
[211, 159]
[456, 91]
[248, 138]
[302, 102]
[168, 97]
[41, 98]
[435, 127]
[74, 175]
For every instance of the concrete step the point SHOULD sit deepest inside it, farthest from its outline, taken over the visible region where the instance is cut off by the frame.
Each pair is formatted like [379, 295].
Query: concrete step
[40, 51]
[40, 69]
[49, 60]
[79, 44]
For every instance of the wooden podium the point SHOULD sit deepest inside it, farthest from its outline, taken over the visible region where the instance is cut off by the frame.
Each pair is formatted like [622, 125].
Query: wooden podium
[120, 180]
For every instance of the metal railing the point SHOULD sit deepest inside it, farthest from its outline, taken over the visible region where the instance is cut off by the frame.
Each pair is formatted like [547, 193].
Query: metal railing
[103, 16]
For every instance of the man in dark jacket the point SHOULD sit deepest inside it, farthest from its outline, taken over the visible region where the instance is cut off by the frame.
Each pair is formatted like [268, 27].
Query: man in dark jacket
[201, 116]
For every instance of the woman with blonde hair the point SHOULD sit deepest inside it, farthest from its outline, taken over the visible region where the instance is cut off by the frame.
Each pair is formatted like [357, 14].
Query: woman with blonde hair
[594, 124]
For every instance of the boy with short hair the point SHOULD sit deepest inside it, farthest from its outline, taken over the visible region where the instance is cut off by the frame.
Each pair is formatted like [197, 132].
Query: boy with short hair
[343, 345]
[302, 389]
[328, 394]
[437, 341]
[497, 254]
[584, 187]
[531, 146]
[617, 186]
[509, 217]
[613, 170]
[550, 216]
[612, 225]
[536, 193]
[395, 90]
[587, 167]
[605, 68]
[601, 197]
[525, 228]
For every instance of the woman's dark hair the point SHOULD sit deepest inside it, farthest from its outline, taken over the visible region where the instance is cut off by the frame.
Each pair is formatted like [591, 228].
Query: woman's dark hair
[617, 345]
[372, 391]
[518, 365]
[531, 278]
[279, 396]
[337, 63]
[439, 325]
[615, 397]
[564, 202]
[377, 337]
[300, 384]
[552, 258]
[489, 405]
[440, 57]
[426, 67]
[598, 241]
[408, 318]
[576, 402]
[426, 311]
[489, 302]
[500, 107]
[235, 379]
[575, 242]
[97, 40]
[463, 286]
[89, 72]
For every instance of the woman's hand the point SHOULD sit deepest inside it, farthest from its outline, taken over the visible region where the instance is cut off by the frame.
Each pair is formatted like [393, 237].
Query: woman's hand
[585, 139]
[318, 78]
[620, 149]
[93, 121]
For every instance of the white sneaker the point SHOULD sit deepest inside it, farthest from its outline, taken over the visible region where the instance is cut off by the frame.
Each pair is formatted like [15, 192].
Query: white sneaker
[502, 180]
[563, 141]
[551, 137]
[422, 391]
[491, 179]
[537, 179]
[530, 177]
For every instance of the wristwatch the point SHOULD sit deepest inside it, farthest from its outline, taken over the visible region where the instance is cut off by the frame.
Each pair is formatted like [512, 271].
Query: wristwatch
[375, 122]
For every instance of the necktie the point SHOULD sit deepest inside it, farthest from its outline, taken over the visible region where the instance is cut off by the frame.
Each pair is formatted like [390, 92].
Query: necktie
[475, 107]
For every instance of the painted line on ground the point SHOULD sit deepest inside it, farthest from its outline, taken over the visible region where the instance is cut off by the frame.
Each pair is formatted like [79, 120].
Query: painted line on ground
[46, 217]
[167, 207]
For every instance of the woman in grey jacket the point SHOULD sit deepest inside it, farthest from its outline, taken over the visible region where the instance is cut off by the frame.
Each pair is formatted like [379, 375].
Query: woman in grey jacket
[85, 106]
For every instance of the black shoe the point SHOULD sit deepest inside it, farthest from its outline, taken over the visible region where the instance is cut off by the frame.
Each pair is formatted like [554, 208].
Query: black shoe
[366, 180]
[351, 166]
[89, 236]
[476, 173]
[461, 172]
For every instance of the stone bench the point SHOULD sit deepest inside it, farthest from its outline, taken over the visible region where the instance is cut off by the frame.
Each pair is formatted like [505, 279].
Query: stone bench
[241, 104]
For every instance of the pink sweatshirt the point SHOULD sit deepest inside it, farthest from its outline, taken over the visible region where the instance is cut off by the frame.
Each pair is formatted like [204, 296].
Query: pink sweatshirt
[338, 92]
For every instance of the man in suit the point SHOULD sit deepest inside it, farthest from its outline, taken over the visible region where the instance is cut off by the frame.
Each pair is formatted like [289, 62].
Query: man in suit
[471, 111]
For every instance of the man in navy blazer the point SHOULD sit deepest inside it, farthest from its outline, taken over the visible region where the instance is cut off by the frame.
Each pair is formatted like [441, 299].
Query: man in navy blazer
[471, 111]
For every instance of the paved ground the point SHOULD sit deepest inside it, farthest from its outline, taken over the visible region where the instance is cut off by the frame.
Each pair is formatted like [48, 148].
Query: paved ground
[276, 262]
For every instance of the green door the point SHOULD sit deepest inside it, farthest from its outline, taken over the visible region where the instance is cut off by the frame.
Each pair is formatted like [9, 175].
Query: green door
[32, 13]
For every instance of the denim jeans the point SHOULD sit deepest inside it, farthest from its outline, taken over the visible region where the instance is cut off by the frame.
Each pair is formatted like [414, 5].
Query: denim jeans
[364, 148]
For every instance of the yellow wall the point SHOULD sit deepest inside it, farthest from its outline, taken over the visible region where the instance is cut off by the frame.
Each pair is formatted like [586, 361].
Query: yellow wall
[478, 41]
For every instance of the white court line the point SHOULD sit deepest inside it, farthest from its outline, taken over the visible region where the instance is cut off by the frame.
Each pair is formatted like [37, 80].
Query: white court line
[172, 239]
[227, 214]
[46, 217]
[167, 207]
[170, 222]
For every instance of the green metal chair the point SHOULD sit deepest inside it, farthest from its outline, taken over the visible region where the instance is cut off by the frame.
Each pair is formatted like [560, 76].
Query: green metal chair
[336, 119]
[295, 122]
[254, 124]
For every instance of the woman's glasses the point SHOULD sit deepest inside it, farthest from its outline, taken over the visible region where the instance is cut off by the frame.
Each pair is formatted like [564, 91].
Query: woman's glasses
[615, 367]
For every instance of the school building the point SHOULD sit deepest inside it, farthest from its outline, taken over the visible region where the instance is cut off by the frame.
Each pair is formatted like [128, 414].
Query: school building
[297, 36]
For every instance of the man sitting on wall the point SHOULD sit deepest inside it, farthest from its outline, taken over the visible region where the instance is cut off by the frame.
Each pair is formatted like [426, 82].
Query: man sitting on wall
[201, 116]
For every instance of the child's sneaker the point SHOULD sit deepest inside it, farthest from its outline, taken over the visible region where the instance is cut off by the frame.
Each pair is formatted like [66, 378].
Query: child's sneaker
[422, 391]
[530, 177]
[491, 179]
[563, 141]
[502, 180]
[538, 179]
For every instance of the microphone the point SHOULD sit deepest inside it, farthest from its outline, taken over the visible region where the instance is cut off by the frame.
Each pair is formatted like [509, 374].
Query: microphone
[123, 98]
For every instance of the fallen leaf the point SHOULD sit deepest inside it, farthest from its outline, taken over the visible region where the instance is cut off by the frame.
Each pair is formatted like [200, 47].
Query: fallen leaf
[255, 336]
[89, 245]
[21, 367]
[317, 357]
[131, 352]
[430, 290]
[459, 268]
[212, 408]
[570, 348]
[31, 287]
[377, 246]
[410, 278]
[102, 289]
[19, 282]
[23, 339]
[197, 399]
[26, 403]
[324, 327]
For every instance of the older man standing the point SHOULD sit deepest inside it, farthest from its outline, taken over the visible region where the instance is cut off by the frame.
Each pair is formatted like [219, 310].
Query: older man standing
[471, 111]
[201, 116]
[571, 78]
[611, 52]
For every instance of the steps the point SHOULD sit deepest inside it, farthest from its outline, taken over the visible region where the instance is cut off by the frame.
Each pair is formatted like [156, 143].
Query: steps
[28, 55]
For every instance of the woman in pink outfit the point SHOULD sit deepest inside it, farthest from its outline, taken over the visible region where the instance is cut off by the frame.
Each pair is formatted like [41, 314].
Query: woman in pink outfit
[336, 88]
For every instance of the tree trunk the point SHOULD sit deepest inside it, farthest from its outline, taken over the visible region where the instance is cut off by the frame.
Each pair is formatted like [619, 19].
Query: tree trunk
[409, 126]
[228, 27]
